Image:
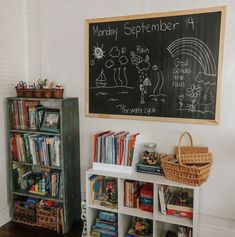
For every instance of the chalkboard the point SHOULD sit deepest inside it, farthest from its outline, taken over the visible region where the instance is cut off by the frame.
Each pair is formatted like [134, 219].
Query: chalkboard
[164, 66]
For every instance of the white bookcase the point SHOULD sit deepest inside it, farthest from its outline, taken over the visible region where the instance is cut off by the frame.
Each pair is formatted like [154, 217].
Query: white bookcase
[161, 223]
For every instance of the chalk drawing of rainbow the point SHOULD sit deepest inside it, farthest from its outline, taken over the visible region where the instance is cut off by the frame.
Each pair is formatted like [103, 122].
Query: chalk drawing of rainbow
[200, 51]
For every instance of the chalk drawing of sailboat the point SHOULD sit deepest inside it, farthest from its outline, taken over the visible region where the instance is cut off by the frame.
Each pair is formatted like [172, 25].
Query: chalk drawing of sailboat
[101, 80]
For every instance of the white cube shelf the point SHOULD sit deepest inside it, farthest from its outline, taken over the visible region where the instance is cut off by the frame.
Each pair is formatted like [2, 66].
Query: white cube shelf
[161, 223]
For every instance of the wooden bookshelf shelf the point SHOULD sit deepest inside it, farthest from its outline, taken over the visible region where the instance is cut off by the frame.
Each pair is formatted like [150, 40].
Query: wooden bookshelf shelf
[37, 166]
[34, 132]
[38, 196]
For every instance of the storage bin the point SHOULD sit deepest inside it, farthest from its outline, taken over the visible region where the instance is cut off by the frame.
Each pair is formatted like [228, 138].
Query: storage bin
[24, 212]
[48, 217]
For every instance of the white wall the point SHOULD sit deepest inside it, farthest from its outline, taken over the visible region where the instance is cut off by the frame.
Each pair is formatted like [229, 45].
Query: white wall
[62, 42]
[18, 50]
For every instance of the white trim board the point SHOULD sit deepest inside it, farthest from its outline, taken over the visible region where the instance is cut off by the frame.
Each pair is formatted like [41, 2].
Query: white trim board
[4, 216]
[212, 226]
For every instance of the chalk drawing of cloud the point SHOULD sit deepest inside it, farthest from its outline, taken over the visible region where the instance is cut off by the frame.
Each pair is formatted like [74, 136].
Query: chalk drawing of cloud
[206, 79]
[109, 63]
[123, 60]
[143, 65]
[114, 52]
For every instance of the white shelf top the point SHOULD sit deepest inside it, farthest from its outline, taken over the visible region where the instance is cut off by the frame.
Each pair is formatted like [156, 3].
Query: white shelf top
[103, 208]
[136, 212]
[175, 220]
[140, 177]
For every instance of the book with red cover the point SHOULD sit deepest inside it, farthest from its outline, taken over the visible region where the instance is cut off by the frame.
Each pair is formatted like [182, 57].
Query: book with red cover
[95, 147]
[180, 213]
[14, 148]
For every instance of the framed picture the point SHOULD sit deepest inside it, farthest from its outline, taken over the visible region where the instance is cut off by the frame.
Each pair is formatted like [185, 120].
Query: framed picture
[51, 120]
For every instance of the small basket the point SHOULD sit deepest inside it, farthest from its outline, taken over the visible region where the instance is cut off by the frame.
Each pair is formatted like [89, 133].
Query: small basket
[48, 217]
[38, 93]
[20, 92]
[58, 93]
[24, 213]
[29, 93]
[190, 166]
[48, 93]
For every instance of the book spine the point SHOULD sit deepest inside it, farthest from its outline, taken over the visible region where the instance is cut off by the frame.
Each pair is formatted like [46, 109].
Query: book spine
[161, 200]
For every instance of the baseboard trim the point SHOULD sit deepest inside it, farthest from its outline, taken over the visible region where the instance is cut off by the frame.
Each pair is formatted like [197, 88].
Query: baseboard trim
[4, 215]
[212, 224]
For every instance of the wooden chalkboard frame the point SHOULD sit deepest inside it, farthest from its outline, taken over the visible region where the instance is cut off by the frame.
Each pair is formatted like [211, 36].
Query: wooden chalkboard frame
[221, 9]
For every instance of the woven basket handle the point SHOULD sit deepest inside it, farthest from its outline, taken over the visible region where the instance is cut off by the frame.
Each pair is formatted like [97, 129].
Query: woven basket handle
[180, 141]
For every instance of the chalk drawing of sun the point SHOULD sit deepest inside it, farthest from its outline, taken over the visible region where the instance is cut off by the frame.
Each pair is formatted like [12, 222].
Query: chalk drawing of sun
[98, 52]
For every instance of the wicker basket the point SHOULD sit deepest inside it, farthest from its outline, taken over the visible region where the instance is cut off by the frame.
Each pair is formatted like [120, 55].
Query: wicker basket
[48, 217]
[58, 93]
[38, 93]
[191, 165]
[48, 93]
[24, 213]
[20, 92]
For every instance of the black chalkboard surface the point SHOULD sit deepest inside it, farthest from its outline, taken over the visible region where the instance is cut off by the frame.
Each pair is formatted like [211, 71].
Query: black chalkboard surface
[164, 66]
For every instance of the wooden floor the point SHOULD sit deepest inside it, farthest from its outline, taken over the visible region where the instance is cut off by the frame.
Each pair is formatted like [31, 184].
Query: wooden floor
[12, 229]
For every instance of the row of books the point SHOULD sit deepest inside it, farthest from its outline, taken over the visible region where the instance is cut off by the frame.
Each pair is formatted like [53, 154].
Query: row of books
[26, 114]
[39, 182]
[36, 149]
[131, 193]
[176, 201]
[114, 148]
[106, 225]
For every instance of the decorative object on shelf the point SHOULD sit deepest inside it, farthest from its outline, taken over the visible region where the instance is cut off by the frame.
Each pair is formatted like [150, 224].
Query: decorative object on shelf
[191, 165]
[51, 120]
[103, 191]
[111, 190]
[150, 160]
[141, 227]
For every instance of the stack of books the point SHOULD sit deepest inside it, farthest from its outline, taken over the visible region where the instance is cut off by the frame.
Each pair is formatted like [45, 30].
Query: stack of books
[146, 197]
[106, 225]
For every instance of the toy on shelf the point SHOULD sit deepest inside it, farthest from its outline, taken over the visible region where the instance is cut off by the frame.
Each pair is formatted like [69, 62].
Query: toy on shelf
[150, 161]
[38, 185]
[104, 191]
[141, 227]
